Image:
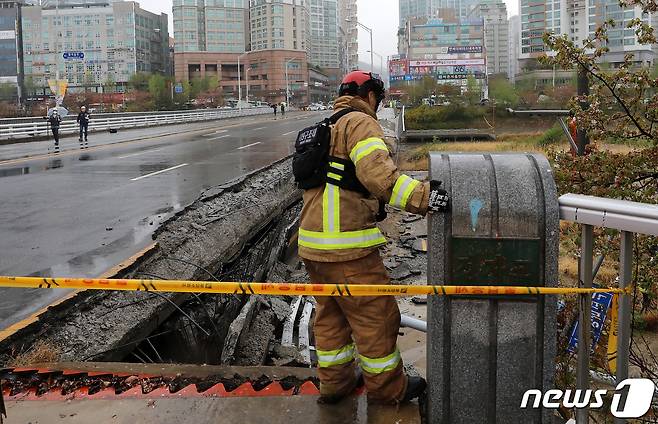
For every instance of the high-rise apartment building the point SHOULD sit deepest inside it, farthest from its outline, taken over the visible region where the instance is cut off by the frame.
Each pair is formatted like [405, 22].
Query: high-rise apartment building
[279, 24]
[348, 35]
[91, 45]
[415, 9]
[446, 48]
[496, 35]
[579, 19]
[211, 26]
[431, 8]
[324, 33]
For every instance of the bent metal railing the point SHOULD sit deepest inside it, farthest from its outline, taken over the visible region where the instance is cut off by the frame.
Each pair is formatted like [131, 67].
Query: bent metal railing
[629, 218]
[16, 128]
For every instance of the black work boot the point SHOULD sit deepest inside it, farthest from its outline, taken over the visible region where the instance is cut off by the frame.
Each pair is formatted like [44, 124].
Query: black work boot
[415, 388]
[337, 397]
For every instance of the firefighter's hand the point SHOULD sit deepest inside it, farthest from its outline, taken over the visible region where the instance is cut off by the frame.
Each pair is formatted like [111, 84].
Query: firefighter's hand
[439, 200]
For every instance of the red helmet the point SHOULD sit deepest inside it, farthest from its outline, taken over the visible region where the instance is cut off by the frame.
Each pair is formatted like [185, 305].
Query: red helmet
[359, 83]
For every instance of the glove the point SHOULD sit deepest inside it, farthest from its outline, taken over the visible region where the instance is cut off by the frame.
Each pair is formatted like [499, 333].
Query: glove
[439, 200]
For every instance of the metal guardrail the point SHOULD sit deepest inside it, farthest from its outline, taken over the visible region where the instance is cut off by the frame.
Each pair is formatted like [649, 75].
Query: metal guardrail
[17, 128]
[630, 218]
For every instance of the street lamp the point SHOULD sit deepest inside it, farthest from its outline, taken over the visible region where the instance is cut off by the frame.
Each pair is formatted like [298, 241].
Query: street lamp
[372, 69]
[381, 60]
[240, 83]
[287, 83]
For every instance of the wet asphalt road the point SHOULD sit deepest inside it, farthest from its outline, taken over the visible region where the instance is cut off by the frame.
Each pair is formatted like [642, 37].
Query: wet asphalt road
[80, 212]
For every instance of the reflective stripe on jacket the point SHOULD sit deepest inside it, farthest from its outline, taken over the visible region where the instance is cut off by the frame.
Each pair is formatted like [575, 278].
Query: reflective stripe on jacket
[339, 225]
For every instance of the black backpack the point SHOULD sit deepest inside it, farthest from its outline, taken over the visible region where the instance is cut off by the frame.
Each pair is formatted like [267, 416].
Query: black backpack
[311, 158]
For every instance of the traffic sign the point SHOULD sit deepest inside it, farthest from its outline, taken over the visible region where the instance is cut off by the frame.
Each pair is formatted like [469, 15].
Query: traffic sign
[73, 55]
[178, 88]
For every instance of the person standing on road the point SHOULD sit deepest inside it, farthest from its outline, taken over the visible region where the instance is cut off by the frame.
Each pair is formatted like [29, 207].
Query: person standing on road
[283, 110]
[83, 121]
[274, 106]
[54, 120]
[339, 242]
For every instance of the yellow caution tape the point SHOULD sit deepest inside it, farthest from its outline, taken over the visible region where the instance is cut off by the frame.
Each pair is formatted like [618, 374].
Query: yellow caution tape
[613, 335]
[286, 289]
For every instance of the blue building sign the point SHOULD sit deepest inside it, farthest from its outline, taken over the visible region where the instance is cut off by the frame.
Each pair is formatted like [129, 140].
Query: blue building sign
[73, 55]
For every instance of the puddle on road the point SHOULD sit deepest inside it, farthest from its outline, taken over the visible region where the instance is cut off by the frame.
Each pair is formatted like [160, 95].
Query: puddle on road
[11, 172]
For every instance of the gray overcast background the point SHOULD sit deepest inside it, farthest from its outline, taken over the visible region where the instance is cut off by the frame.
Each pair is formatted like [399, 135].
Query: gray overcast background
[380, 15]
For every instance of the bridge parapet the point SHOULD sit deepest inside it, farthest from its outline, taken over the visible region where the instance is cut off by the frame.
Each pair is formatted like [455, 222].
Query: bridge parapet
[485, 352]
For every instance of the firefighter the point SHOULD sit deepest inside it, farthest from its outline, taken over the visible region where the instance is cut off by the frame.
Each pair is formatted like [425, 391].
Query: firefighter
[339, 243]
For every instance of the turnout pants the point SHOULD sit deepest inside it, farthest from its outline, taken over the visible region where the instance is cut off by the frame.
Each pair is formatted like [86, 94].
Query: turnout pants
[357, 328]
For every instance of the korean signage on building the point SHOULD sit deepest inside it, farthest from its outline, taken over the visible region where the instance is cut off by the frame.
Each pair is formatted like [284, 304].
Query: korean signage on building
[465, 49]
[446, 62]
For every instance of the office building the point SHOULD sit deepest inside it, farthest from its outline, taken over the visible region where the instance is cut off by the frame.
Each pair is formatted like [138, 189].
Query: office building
[496, 35]
[92, 45]
[447, 48]
[271, 72]
[348, 35]
[11, 48]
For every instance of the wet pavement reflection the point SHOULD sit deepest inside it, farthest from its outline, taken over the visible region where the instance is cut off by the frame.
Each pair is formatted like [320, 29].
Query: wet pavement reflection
[80, 213]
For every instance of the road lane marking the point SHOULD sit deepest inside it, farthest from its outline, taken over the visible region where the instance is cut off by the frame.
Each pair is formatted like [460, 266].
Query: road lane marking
[259, 128]
[159, 172]
[215, 132]
[138, 153]
[221, 136]
[107, 146]
[248, 145]
[290, 132]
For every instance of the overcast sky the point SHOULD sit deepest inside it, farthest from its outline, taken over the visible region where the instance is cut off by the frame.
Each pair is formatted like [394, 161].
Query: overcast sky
[380, 15]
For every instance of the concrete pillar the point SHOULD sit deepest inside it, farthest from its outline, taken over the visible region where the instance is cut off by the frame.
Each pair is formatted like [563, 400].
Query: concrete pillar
[484, 352]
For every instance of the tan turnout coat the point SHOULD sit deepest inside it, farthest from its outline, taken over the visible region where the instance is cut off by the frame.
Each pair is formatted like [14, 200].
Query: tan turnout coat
[339, 225]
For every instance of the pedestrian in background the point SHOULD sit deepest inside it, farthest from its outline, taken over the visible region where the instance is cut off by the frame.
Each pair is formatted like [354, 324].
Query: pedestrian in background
[274, 106]
[283, 110]
[54, 121]
[83, 121]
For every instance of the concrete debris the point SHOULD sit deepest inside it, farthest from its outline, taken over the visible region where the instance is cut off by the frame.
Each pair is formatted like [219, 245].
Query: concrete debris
[280, 307]
[237, 329]
[403, 271]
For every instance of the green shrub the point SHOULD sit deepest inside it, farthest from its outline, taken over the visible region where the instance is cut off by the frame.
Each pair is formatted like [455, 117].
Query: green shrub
[553, 135]
[444, 117]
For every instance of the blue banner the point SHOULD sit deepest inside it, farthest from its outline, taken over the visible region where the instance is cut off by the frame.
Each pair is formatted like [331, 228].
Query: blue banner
[600, 305]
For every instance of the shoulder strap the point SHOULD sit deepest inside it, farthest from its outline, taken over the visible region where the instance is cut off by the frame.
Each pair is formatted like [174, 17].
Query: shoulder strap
[336, 116]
